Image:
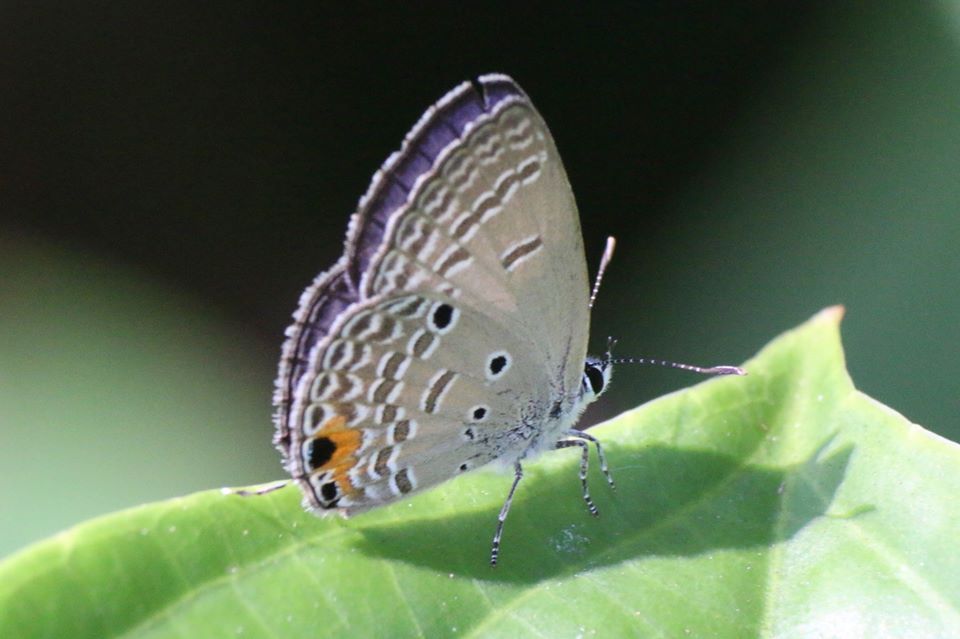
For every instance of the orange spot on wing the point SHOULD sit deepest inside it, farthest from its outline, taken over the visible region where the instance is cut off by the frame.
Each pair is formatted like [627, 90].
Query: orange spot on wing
[343, 482]
[346, 442]
[335, 424]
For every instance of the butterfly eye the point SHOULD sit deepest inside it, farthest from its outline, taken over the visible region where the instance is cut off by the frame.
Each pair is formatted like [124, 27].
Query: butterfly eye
[594, 376]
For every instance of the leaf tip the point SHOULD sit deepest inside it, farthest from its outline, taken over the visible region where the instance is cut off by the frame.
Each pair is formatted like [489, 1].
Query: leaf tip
[833, 314]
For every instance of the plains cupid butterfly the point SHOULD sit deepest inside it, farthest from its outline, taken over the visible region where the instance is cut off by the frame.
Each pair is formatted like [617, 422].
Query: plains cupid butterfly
[452, 332]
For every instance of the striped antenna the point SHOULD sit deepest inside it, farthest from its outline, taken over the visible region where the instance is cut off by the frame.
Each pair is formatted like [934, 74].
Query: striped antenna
[607, 256]
[712, 370]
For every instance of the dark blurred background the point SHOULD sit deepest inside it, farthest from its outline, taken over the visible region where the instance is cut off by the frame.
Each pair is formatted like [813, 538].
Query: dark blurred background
[173, 174]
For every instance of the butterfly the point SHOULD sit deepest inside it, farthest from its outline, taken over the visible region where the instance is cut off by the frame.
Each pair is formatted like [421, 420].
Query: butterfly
[452, 333]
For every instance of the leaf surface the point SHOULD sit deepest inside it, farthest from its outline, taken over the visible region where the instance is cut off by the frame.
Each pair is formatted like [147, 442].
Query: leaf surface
[781, 504]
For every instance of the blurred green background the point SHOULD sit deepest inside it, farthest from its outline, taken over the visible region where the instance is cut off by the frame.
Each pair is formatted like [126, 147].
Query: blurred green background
[174, 174]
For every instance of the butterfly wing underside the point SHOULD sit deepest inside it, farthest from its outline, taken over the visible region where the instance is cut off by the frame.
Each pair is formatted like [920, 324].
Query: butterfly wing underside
[456, 320]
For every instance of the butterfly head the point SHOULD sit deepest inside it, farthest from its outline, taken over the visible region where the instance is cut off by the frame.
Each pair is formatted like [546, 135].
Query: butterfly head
[597, 373]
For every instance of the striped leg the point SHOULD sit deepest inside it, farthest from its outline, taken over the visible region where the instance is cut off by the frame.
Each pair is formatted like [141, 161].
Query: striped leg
[584, 464]
[495, 549]
[579, 434]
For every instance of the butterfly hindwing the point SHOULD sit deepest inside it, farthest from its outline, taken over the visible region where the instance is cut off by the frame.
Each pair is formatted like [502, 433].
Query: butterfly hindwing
[395, 399]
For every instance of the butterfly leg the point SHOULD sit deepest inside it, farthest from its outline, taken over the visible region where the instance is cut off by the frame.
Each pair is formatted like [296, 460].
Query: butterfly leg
[579, 434]
[584, 465]
[495, 549]
[263, 490]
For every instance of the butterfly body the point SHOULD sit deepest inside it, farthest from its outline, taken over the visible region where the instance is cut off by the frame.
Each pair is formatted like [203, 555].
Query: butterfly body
[453, 331]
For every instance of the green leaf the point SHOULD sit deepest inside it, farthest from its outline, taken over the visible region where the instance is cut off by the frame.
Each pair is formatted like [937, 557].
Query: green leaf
[784, 503]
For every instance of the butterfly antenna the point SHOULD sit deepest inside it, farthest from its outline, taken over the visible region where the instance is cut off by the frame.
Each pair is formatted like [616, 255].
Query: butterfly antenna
[607, 256]
[712, 370]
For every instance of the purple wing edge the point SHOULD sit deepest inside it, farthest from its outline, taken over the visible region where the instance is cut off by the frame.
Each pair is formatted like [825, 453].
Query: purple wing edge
[333, 291]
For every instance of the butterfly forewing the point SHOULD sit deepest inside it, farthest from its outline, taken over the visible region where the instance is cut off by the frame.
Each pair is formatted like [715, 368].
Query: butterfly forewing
[496, 223]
